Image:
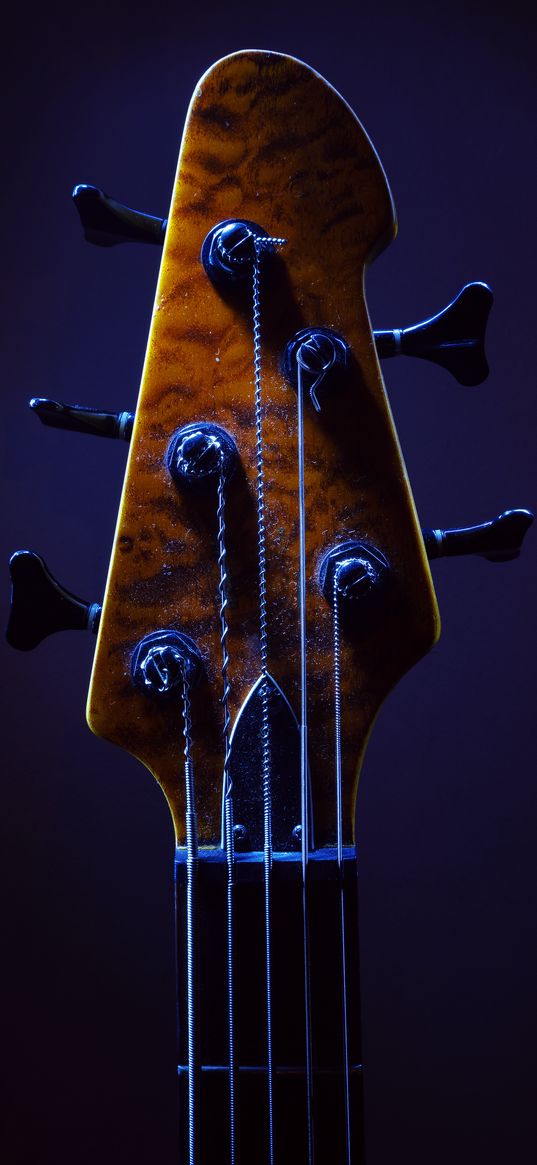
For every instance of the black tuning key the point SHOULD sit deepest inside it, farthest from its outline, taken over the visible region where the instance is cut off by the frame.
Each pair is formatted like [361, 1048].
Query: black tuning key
[107, 222]
[78, 419]
[454, 338]
[40, 606]
[499, 540]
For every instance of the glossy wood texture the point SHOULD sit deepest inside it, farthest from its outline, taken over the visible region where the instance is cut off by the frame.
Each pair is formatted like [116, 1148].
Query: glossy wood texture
[266, 139]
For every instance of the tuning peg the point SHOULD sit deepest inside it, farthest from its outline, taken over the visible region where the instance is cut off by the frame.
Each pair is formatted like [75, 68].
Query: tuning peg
[40, 605]
[82, 420]
[455, 338]
[106, 222]
[499, 540]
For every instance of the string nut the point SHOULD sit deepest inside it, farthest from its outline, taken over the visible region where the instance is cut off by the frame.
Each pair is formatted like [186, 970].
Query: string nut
[355, 569]
[163, 661]
[198, 452]
[228, 252]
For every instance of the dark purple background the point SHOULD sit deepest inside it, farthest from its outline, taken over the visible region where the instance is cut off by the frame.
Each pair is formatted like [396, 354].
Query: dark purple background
[447, 800]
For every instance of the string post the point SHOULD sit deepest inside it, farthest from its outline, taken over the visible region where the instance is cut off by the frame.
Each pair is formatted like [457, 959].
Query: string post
[201, 451]
[316, 354]
[230, 249]
[355, 569]
[164, 661]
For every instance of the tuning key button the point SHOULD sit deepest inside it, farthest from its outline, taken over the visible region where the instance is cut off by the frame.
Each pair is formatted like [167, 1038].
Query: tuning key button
[499, 540]
[454, 338]
[40, 606]
[107, 222]
[78, 419]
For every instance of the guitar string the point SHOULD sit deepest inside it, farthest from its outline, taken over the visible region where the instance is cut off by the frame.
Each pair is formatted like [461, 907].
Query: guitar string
[229, 840]
[192, 864]
[259, 245]
[339, 814]
[304, 768]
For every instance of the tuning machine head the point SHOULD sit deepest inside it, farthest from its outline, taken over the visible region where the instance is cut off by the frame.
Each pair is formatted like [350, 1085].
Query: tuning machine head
[106, 222]
[40, 606]
[454, 338]
[498, 540]
[78, 419]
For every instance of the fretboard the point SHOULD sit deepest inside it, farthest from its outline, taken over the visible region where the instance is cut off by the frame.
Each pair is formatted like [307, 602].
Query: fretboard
[328, 1106]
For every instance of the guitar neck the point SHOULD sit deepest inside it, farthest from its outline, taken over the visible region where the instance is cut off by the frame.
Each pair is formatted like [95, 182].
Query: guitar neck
[330, 890]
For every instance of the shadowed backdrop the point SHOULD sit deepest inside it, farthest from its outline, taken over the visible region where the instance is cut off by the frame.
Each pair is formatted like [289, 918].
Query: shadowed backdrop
[446, 808]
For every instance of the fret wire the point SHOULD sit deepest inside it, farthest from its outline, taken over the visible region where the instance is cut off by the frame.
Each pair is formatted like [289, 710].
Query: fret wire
[304, 773]
[339, 814]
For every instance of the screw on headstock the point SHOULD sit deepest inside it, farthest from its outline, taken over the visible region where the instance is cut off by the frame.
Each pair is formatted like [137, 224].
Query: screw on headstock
[296, 836]
[240, 836]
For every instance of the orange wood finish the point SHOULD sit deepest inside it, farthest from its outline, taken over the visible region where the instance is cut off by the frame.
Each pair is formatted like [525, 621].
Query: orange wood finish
[266, 139]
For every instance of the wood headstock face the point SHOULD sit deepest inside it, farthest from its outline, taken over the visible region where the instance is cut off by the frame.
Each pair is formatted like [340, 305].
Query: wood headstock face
[269, 141]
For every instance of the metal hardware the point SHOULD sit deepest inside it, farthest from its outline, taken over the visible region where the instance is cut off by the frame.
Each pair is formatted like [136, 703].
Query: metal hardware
[106, 222]
[240, 835]
[361, 571]
[228, 252]
[200, 451]
[40, 606]
[163, 660]
[454, 338]
[296, 836]
[499, 540]
[79, 419]
[320, 353]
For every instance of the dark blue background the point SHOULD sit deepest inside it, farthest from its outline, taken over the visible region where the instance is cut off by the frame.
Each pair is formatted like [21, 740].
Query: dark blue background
[447, 802]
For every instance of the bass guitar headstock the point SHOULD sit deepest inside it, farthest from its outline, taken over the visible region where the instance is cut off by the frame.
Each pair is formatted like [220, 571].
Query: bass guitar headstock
[269, 579]
[247, 333]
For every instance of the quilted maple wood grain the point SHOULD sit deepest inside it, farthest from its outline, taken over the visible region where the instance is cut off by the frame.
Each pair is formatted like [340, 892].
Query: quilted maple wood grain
[268, 140]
